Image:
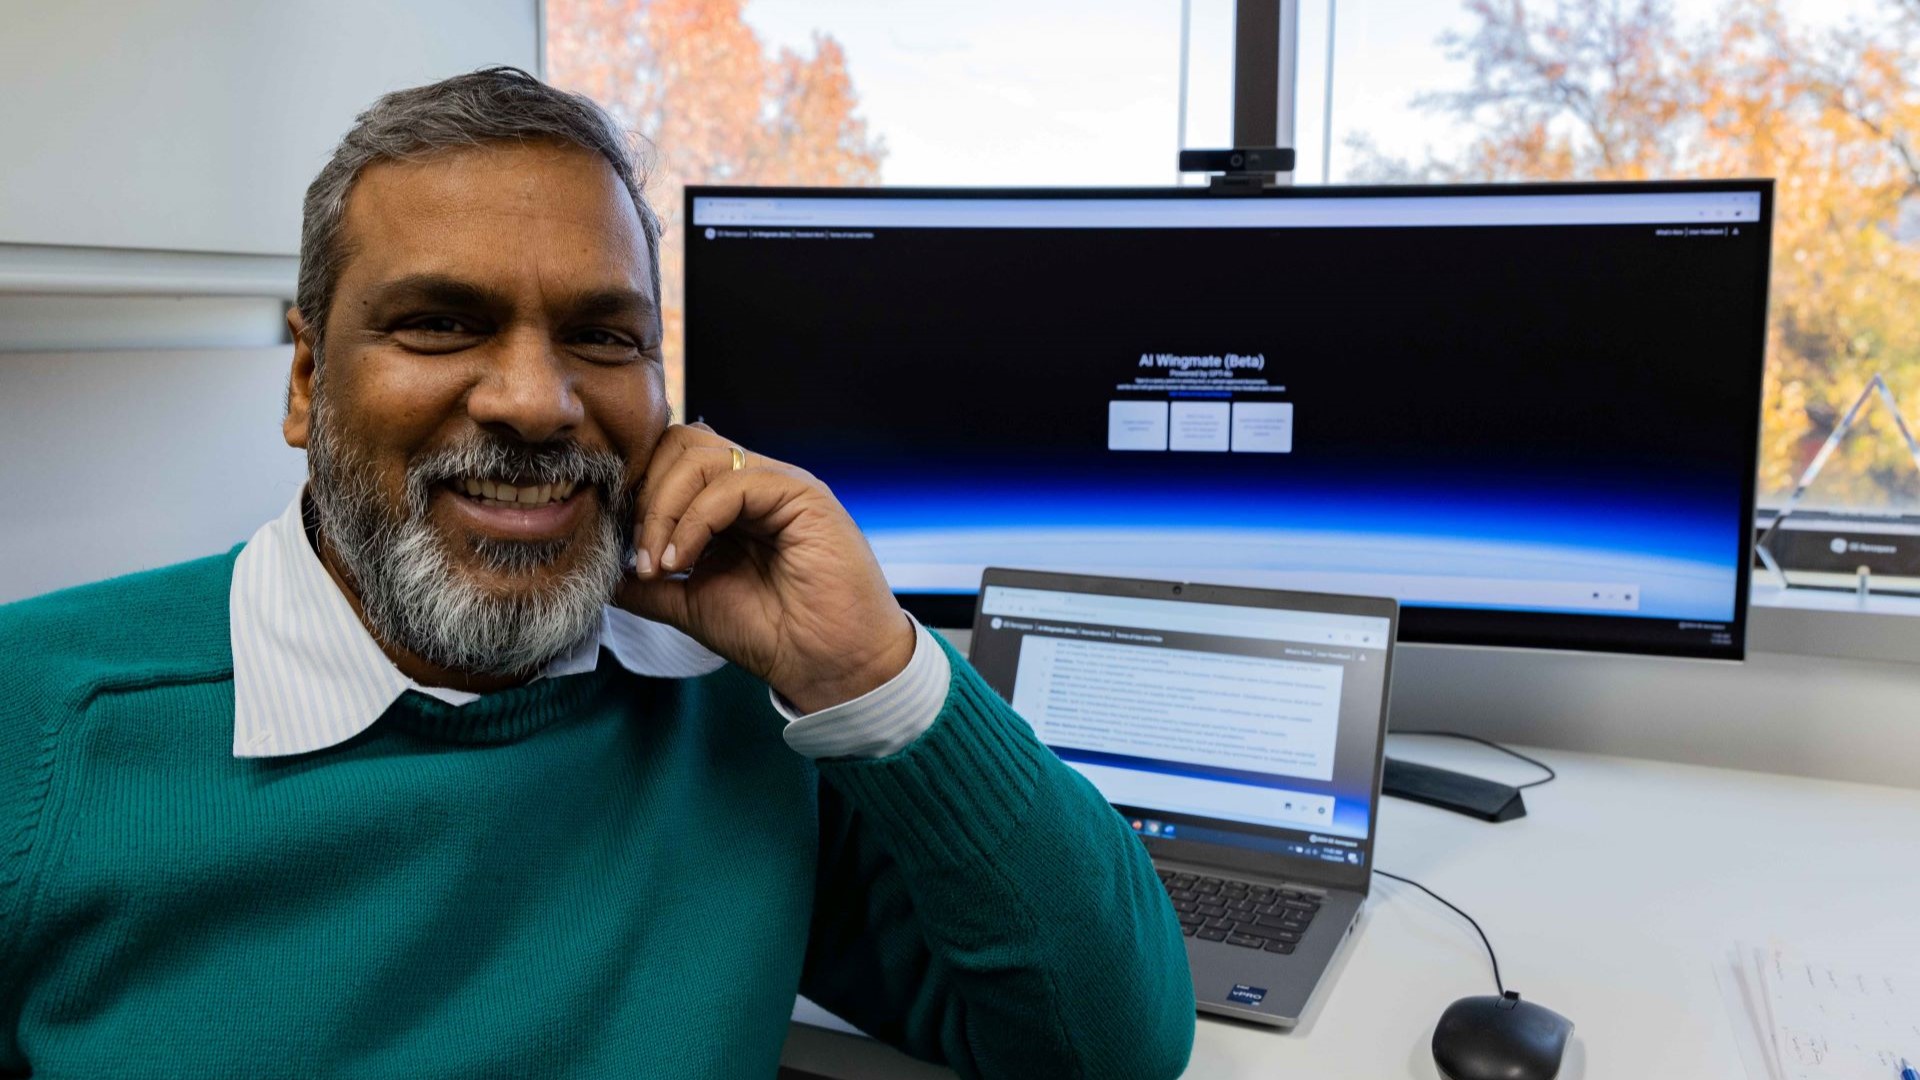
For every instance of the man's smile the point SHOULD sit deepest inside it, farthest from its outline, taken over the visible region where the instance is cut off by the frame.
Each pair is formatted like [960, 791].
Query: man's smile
[518, 512]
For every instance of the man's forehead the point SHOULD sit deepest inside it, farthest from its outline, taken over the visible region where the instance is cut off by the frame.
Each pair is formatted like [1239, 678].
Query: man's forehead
[496, 214]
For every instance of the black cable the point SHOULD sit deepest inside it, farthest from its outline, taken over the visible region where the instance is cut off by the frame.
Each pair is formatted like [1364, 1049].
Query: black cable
[1547, 779]
[1476, 926]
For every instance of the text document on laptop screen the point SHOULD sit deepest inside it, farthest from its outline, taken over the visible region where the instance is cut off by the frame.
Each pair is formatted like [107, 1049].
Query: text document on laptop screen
[1216, 723]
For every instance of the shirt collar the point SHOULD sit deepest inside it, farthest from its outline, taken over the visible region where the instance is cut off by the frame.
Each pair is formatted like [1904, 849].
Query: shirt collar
[307, 675]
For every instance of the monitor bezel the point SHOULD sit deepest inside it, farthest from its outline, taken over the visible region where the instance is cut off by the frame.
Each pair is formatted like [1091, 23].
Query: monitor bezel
[1419, 624]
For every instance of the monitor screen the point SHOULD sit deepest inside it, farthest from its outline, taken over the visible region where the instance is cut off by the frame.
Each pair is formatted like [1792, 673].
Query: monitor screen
[1529, 413]
[1242, 718]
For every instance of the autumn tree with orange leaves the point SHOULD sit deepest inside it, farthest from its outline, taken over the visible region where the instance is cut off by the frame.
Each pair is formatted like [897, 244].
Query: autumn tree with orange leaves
[1619, 89]
[692, 78]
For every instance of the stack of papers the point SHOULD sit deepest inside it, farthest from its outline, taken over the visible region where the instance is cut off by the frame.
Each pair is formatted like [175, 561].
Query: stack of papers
[1798, 1018]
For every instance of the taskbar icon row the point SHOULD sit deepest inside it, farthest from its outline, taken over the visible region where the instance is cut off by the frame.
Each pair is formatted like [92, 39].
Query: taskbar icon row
[1149, 827]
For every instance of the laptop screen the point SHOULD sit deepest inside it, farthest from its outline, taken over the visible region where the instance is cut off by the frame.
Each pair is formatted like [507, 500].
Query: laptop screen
[1247, 718]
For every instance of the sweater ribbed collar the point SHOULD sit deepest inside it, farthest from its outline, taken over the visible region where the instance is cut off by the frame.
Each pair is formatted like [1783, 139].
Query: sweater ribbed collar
[308, 675]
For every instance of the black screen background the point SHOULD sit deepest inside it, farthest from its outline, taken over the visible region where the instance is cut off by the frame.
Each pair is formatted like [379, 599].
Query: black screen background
[1524, 363]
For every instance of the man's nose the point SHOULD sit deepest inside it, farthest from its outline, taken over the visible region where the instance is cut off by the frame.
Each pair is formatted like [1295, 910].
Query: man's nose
[527, 389]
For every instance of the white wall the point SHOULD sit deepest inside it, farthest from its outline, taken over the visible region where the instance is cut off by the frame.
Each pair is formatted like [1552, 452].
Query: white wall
[197, 124]
[121, 461]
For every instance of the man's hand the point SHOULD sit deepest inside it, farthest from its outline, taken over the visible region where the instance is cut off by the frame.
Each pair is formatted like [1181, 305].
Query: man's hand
[762, 565]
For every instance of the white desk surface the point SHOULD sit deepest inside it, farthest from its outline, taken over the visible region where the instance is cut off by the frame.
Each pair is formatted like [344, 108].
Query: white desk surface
[1611, 902]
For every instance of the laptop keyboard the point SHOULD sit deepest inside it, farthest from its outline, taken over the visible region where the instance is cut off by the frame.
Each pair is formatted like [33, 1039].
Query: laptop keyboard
[1243, 913]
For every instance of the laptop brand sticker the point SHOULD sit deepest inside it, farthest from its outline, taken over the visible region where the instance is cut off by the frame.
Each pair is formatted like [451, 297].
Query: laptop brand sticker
[1242, 994]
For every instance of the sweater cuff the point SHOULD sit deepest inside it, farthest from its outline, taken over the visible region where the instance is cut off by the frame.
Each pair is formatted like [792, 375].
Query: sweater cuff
[881, 721]
[949, 799]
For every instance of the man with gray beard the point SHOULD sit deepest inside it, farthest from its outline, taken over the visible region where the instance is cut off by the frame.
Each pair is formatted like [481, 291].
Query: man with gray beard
[539, 736]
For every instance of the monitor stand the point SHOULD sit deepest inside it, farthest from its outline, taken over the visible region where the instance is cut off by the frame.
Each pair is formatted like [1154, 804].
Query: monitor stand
[1455, 791]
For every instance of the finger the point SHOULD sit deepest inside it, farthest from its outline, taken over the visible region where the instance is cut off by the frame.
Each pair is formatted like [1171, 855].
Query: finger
[702, 425]
[661, 599]
[674, 443]
[664, 501]
[669, 452]
[748, 497]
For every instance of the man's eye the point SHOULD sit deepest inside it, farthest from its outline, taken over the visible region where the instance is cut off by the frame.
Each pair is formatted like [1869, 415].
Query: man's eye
[438, 333]
[439, 324]
[603, 346]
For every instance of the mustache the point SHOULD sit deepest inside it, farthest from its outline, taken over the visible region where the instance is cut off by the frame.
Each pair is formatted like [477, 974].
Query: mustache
[511, 461]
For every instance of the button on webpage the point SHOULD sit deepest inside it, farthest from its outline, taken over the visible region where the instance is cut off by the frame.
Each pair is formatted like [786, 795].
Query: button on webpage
[1263, 427]
[1198, 425]
[1136, 425]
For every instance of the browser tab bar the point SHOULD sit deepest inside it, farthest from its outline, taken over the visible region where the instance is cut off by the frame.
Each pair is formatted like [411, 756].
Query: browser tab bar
[1180, 616]
[1410, 211]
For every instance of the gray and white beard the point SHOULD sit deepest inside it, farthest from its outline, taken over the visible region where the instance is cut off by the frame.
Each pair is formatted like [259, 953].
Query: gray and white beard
[412, 592]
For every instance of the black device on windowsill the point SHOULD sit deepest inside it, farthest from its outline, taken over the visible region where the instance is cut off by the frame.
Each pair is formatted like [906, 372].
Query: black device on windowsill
[1487, 800]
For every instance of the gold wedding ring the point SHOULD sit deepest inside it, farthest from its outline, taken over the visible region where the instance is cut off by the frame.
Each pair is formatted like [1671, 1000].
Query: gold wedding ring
[739, 458]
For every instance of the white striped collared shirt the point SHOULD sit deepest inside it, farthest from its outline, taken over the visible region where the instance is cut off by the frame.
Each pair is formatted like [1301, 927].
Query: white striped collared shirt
[307, 674]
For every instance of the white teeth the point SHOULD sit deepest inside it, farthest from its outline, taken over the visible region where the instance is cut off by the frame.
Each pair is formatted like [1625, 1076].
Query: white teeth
[510, 495]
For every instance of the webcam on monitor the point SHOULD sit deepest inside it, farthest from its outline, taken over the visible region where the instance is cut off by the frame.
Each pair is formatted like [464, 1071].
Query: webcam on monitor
[1249, 159]
[1241, 170]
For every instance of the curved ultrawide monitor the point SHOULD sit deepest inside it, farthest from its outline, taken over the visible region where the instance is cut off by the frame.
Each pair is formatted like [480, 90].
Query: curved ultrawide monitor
[1529, 413]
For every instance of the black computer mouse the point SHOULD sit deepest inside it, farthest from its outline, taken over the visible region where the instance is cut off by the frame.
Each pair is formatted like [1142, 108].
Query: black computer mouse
[1499, 1038]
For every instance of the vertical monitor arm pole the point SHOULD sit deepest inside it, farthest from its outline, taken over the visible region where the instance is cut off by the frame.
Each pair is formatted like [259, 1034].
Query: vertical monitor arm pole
[1266, 38]
[1265, 52]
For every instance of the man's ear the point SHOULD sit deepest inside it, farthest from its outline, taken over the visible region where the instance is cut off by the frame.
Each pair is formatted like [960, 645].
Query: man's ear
[299, 419]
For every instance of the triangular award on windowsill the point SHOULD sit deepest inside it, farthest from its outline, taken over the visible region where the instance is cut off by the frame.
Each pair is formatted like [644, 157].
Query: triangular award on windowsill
[1853, 519]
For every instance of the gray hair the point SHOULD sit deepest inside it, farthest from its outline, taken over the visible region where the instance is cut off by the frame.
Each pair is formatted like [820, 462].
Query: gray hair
[490, 105]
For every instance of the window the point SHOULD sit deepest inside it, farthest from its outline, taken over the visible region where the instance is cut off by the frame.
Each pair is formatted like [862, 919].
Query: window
[1822, 95]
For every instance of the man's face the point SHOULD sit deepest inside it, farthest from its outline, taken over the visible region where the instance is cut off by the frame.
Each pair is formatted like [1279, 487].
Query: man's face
[493, 324]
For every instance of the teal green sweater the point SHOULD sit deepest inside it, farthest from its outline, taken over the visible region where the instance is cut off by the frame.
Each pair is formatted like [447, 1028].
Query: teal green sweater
[596, 875]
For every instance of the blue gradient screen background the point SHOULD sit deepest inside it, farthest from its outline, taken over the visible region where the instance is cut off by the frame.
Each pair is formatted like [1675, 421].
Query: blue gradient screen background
[1472, 406]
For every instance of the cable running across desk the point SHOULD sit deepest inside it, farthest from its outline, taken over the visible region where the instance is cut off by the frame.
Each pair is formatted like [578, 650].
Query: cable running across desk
[1470, 921]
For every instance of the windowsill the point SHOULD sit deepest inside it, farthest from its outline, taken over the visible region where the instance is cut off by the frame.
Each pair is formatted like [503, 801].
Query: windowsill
[1820, 622]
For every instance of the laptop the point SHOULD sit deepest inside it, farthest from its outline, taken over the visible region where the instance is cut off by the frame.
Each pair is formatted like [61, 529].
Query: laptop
[1237, 730]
